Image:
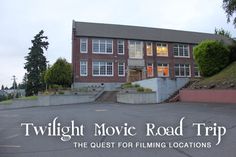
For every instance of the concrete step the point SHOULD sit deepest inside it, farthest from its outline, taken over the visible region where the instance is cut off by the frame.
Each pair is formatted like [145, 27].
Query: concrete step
[107, 96]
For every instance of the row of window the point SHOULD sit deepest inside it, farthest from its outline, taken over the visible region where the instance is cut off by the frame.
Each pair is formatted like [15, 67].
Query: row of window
[105, 46]
[106, 69]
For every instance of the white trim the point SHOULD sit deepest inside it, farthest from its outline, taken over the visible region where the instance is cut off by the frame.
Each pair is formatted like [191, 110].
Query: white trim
[178, 44]
[135, 45]
[162, 67]
[86, 63]
[184, 70]
[151, 48]
[123, 68]
[167, 46]
[118, 47]
[152, 69]
[86, 45]
[99, 44]
[99, 63]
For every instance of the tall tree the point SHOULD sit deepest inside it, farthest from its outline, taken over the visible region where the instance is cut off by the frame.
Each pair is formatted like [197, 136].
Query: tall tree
[223, 32]
[2, 88]
[36, 64]
[230, 8]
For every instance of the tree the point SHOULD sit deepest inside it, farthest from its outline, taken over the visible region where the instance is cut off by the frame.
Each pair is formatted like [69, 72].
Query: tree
[14, 85]
[59, 74]
[23, 84]
[2, 88]
[230, 8]
[211, 57]
[223, 32]
[36, 64]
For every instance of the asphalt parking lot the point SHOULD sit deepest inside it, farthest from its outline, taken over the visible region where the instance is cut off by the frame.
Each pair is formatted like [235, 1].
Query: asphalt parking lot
[14, 143]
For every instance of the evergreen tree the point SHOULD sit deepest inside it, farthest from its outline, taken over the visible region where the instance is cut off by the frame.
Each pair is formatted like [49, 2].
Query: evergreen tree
[36, 64]
[223, 32]
[230, 8]
[2, 87]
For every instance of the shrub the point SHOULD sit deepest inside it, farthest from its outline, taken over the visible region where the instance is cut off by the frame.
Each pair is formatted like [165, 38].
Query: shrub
[136, 85]
[127, 85]
[211, 57]
[140, 89]
[232, 55]
[147, 90]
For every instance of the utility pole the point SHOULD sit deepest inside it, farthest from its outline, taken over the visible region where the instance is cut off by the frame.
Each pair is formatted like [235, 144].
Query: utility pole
[14, 86]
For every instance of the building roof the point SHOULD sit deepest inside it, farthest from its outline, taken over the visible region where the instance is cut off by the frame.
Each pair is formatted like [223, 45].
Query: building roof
[143, 33]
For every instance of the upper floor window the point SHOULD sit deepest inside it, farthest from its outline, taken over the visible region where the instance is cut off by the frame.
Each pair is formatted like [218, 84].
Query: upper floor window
[150, 70]
[149, 48]
[121, 69]
[136, 49]
[83, 68]
[162, 49]
[103, 46]
[102, 68]
[162, 70]
[181, 50]
[121, 47]
[182, 70]
[83, 45]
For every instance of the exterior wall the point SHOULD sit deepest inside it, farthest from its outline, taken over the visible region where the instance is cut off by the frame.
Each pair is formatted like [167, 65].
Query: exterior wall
[137, 98]
[208, 95]
[164, 87]
[115, 58]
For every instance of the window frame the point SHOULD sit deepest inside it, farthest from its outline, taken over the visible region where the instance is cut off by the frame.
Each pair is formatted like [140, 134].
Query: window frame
[151, 49]
[100, 42]
[86, 42]
[86, 66]
[123, 64]
[162, 65]
[178, 47]
[106, 68]
[198, 71]
[135, 48]
[118, 44]
[161, 45]
[179, 67]
[150, 65]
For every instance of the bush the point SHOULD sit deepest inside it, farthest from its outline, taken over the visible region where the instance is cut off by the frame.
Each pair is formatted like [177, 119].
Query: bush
[136, 85]
[232, 55]
[140, 89]
[211, 57]
[127, 85]
[147, 90]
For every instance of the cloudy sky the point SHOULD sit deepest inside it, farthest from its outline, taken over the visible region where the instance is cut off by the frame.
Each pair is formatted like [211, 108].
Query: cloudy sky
[21, 20]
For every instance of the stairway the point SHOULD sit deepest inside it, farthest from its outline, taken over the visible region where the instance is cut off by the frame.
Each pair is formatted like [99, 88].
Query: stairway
[107, 96]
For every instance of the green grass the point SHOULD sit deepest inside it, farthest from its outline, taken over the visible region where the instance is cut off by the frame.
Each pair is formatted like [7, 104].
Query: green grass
[226, 75]
[29, 98]
[6, 102]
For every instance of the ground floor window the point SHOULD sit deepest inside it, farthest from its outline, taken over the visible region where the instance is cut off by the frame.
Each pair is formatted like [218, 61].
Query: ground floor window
[182, 70]
[162, 70]
[83, 68]
[102, 68]
[121, 69]
[150, 70]
[196, 71]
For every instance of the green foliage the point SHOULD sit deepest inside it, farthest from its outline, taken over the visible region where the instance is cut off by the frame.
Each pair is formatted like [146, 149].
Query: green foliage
[59, 74]
[147, 90]
[232, 49]
[136, 85]
[2, 88]
[127, 85]
[211, 57]
[140, 89]
[223, 32]
[230, 8]
[36, 64]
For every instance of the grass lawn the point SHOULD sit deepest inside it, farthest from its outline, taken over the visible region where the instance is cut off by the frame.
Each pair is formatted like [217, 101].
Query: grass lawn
[6, 102]
[29, 98]
[224, 78]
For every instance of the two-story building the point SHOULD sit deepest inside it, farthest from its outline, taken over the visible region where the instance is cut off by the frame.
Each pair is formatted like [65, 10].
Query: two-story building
[108, 55]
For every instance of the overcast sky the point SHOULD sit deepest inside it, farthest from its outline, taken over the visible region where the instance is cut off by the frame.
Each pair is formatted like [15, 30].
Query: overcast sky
[21, 20]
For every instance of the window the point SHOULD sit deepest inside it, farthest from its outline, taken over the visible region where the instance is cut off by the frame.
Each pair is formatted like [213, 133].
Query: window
[181, 50]
[150, 70]
[149, 48]
[121, 69]
[83, 45]
[163, 70]
[120, 47]
[136, 49]
[196, 71]
[83, 68]
[182, 70]
[102, 68]
[103, 46]
[162, 49]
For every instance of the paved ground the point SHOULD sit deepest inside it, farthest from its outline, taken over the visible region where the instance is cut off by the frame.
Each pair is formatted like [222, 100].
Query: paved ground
[13, 143]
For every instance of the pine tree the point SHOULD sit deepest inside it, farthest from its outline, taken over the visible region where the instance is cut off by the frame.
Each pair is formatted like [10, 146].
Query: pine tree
[36, 64]
[2, 87]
